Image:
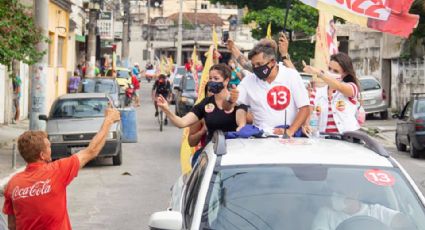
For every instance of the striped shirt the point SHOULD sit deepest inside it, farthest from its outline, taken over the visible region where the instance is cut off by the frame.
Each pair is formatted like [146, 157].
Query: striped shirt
[330, 124]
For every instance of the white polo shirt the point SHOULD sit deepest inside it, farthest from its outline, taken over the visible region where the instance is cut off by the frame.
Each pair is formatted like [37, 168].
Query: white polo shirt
[268, 102]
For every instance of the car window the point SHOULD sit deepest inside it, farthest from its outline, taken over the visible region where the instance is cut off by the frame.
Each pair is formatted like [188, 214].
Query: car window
[88, 86]
[181, 71]
[189, 84]
[369, 84]
[306, 197]
[105, 86]
[420, 107]
[79, 108]
[177, 79]
[192, 189]
[120, 73]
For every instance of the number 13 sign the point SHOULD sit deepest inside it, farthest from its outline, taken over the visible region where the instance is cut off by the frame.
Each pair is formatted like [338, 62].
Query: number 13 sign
[279, 97]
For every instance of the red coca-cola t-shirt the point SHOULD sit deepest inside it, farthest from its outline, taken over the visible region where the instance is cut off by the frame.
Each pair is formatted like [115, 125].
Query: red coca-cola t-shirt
[37, 196]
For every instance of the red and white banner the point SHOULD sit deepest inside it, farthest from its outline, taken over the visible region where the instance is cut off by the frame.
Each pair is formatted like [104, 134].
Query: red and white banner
[390, 16]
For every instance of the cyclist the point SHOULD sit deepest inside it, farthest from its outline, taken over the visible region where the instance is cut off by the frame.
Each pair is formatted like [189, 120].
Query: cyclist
[162, 86]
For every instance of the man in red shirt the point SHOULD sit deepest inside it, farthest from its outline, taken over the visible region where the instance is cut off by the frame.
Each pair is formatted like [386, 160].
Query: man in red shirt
[36, 197]
[136, 85]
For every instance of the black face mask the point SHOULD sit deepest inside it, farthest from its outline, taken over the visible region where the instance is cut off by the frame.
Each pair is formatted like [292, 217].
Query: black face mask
[215, 87]
[262, 72]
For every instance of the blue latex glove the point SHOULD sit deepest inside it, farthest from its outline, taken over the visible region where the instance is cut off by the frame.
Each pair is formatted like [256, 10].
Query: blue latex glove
[245, 132]
[298, 133]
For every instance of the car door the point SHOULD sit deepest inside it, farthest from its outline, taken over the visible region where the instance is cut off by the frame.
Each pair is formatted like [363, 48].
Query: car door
[404, 123]
[190, 196]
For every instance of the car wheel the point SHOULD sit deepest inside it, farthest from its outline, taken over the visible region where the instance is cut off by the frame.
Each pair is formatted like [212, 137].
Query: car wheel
[384, 115]
[414, 153]
[400, 146]
[117, 160]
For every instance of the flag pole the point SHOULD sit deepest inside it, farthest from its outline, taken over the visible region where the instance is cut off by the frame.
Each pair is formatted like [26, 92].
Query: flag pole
[288, 5]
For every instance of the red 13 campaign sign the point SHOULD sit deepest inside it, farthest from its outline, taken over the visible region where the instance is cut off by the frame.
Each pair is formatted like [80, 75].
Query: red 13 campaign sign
[279, 97]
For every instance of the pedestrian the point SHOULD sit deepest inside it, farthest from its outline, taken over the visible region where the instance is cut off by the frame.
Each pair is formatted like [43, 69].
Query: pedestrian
[236, 77]
[136, 84]
[337, 103]
[16, 98]
[36, 197]
[275, 94]
[136, 70]
[74, 82]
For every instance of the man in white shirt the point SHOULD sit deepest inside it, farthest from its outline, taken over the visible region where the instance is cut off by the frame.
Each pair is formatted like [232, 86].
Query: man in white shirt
[276, 94]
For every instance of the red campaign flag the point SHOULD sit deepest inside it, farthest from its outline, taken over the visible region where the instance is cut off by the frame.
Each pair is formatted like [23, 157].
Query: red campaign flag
[399, 6]
[401, 25]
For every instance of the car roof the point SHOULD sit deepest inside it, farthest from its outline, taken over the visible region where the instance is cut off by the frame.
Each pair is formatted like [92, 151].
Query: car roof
[120, 69]
[111, 79]
[83, 95]
[300, 151]
[367, 77]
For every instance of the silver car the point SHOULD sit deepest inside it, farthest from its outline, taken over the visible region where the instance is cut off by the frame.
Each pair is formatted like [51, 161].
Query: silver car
[374, 96]
[73, 122]
[103, 85]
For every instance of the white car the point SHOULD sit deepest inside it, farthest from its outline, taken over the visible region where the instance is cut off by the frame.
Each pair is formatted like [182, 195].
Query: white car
[340, 182]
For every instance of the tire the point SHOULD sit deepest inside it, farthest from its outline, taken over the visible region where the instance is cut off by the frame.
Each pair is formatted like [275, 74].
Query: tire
[414, 153]
[384, 115]
[117, 160]
[400, 146]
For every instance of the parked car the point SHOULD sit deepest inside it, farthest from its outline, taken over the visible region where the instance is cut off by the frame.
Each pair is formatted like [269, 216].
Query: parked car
[274, 183]
[185, 95]
[373, 96]
[175, 78]
[307, 78]
[411, 126]
[73, 122]
[102, 85]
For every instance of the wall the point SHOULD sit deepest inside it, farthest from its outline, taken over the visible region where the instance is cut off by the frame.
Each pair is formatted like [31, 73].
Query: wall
[3, 90]
[57, 74]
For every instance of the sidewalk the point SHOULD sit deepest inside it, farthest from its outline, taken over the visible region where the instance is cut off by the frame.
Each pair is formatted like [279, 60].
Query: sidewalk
[382, 129]
[8, 135]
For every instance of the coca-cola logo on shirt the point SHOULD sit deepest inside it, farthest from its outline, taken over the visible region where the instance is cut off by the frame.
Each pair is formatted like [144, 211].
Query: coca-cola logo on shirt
[39, 188]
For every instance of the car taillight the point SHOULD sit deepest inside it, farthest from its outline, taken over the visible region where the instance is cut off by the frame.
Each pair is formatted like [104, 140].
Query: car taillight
[384, 95]
[420, 125]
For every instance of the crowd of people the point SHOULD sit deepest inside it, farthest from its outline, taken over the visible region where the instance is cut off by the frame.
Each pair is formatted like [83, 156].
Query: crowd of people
[262, 94]
[266, 93]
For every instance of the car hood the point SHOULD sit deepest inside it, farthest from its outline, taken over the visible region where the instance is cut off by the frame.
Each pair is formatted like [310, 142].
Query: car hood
[80, 125]
[190, 94]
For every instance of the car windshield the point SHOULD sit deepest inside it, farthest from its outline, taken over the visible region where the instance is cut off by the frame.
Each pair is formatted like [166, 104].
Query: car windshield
[99, 86]
[306, 197]
[79, 108]
[181, 71]
[369, 84]
[177, 79]
[190, 84]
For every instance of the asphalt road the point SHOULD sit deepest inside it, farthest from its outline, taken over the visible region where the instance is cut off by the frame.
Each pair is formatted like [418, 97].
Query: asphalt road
[102, 197]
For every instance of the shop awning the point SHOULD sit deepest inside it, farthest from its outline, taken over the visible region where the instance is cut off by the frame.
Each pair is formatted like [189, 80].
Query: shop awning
[80, 38]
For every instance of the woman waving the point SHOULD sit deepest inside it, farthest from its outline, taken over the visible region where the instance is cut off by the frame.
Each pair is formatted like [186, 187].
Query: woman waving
[211, 108]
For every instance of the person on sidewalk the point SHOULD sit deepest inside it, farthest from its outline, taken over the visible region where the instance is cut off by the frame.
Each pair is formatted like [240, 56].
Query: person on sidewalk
[74, 82]
[36, 197]
[16, 98]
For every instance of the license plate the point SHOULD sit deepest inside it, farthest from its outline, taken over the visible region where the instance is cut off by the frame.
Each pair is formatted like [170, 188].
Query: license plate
[75, 150]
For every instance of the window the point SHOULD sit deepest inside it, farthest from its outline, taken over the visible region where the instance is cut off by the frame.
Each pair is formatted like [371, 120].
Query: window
[204, 6]
[61, 47]
[369, 84]
[192, 189]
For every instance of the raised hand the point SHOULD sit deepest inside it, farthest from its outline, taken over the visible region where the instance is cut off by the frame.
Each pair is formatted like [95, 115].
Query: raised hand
[112, 115]
[162, 103]
[234, 94]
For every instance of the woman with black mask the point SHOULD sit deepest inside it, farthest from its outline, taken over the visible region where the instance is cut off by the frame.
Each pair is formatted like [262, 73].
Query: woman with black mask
[211, 108]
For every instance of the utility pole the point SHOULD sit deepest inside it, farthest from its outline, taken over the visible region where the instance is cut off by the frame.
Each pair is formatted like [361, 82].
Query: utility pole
[148, 40]
[38, 80]
[180, 35]
[125, 49]
[94, 7]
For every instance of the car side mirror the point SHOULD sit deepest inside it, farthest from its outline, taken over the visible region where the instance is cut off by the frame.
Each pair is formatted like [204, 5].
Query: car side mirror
[166, 220]
[42, 117]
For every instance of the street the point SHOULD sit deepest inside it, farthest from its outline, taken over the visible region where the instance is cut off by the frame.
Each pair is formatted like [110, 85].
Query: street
[123, 197]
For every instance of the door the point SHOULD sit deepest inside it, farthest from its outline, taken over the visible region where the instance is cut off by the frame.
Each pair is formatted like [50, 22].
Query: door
[404, 123]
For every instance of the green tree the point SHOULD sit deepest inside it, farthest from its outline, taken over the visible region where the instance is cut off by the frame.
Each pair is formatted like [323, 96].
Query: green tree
[18, 34]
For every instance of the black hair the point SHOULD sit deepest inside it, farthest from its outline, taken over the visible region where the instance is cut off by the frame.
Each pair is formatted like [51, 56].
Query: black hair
[224, 70]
